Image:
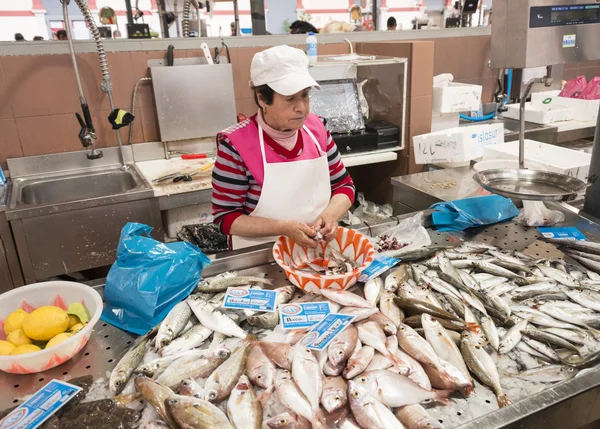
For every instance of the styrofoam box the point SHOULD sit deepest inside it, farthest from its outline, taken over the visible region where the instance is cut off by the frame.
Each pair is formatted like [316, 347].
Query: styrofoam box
[581, 110]
[457, 97]
[444, 121]
[544, 157]
[457, 144]
[539, 115]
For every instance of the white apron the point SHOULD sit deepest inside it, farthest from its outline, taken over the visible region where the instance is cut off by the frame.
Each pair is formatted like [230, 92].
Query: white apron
[297, 190]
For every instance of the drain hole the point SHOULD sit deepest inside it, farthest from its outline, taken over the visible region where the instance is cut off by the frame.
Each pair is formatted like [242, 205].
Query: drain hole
[87, 354]
[108, 348]
[441, 421]
[128, 342]
[487, 401]
[15, 401]
[16, 386]
[104, 324]
[88, 367]
[65, 373]
[106, 336]
[459, 413]
[110, 361]
[41, 379]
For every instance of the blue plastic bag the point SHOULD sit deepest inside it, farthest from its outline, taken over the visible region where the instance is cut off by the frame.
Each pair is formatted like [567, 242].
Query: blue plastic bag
[472, 212]
[148, 279]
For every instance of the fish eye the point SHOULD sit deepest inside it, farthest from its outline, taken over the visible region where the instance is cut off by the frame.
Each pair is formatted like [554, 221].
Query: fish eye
[363, 379]
[186, 383]
[340, 352]
[356, 394]
[196, 395]
[282, 421]
[196, 406]
[259, 377]
[337, 397]
[118, 383]
[212, 395]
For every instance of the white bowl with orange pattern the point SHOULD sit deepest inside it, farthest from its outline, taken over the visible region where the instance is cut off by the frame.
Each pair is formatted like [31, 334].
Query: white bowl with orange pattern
[60, 294]
[351, 243]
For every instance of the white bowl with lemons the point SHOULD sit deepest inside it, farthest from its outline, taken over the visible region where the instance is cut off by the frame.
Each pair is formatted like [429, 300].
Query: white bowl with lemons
[47, 325]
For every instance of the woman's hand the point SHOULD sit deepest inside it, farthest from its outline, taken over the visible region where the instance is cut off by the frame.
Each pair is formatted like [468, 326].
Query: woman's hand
[327, 226]
[300, 233]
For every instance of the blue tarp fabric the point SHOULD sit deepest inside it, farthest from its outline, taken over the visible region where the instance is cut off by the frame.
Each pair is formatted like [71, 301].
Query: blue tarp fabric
[459, 215]
[148, 279]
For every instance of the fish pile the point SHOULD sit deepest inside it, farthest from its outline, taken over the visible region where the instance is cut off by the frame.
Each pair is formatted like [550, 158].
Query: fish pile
[331, 263]
[419, 337]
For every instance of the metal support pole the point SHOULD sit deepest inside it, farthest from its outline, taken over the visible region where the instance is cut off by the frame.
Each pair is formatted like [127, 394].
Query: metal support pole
[236, 14]
[259, 20]
[164, 21]
[592, 196]
[374, 15]
[129, 11]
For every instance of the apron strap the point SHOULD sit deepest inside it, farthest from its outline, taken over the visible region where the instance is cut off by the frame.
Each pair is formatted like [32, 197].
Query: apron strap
[261, 140]
[314, 139]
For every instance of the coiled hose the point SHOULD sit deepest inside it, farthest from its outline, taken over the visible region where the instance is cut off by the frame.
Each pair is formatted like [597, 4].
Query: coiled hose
[185, 22]
[89, 19]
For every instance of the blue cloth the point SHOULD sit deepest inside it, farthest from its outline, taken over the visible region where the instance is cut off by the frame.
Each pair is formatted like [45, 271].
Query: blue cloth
[459, 215]
[148, 279]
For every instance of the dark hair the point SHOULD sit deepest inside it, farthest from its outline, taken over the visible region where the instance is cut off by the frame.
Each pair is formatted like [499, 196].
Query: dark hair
[266, 94]
[19, 37]
[391, 21]
[38, 38]
[61, 33]
[302, 27]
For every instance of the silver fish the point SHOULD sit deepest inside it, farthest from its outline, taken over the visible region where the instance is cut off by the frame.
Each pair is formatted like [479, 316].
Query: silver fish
[290, 395]
[496, 270]
[243, 408]
[373, 290]
[389, 308]
[221, 284]
[187, 341]
[191, 387]
[482, 365]
[542, 348]
[193, 366]
[345, 298]
[560, 314]
[335, 394]
[384, 322]
[223, 379]
[549, 338]
[512, 337]
[306, 371]
[358, 312]
[128, 363]
[173, 324]
[548, 374]
[397, 277]
[259, 367]
[573, 336]
[469, 281]
[359, 362]
[416, 417]
[450, 274]
[265, 320]
[371, 334]
[189, 412]
[158, 365]
[215, 320]
[559, 276]
[492, 282]
[369, 412]
[280, 353]
[288, 420]
[491, 333]
[583, 246]
[441, 286]
[417, 347]
[342, 346]
[156, 395]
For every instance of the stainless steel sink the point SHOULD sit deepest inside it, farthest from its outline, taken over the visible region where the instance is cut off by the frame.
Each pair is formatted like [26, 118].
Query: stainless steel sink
[63, 189]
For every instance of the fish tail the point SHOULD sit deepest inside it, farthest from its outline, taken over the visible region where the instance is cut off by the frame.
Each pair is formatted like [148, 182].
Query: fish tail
[503, 400]
[264, 397]
[441, 396]
[318, 419]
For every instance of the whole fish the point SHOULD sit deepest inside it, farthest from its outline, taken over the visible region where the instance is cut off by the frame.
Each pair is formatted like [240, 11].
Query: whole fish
[549, 338]
[191, 387]
[221, 284]
[469, 281]
[194, 366]
[525, 348]
[215, 320]
[548, 374]
[416, 322]
[223, 379]
[290, 395]
[512, 337]
[452, 379]
[541, 319]
[450, 274]
[415, 370]
[306, 371]
[542, 348]
[342, 346]
[264, 320]
[379, 361]
[492, 282]
[243, 408]
[482, 365]
[490, 331]
[472, 300]
[373, 290]
[156, 394]
[416, 346]
[280, 353]
[502, 289]
[414, 255]
[331, 370]
[416, 417]
[187, 341]
[345, 298]
[194, 413]
[371, 334]
[384, 322]
[259, 368]
[513, 267]
[394, 390]
[559, 276]
[443, 345]
[396, 278]
[560, 314]
[418, 306]
[128, 363]
[503, 257]
[359, 362]
[359, 313]
[369, 412]
[173, 324]
[474, 247]
[583, 246]
[573, 336]
[441, 286]
[496, 270]
[388, 307]
[496, 303]
[158, 365]
[335, 394]
[288, 420]
[589, 256]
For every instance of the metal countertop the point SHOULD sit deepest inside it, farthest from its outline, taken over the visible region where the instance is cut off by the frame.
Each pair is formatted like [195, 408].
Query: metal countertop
[567, 405]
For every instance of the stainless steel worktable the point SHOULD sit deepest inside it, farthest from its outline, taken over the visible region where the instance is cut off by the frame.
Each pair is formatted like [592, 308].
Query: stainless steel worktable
[568, 405]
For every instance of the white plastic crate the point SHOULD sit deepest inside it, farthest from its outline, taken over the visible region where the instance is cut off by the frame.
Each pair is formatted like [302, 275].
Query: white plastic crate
[581, 110]
[545, 157]
[540, 115]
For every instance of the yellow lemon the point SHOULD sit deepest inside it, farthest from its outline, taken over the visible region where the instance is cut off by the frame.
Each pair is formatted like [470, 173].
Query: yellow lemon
[18, 338]
[45, 323]
[59, 339]
[25, 348]
[6, 348]
[14, 321]
[76, 328]
[73, 320]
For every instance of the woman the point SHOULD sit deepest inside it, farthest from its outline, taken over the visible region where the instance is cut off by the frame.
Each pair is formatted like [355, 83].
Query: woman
[279, 172]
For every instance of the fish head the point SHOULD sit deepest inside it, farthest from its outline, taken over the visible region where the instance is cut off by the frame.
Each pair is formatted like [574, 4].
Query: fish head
[118, 383]
[357, 393]
[333, 400]
[222, 353]
[211, 395]
[263, 377]
[189, 388]
[286, 420]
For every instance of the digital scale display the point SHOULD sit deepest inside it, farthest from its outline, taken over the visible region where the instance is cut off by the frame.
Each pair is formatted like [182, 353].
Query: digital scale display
[554, 16]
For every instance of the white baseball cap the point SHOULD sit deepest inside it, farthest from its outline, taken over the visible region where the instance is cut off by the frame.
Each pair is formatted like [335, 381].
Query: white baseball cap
[283, 68]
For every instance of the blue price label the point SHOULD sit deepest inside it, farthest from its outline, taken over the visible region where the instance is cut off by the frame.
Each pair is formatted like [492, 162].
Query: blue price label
[567, 232]
[41, 406]
[319, 337]
[303, 315]
[379, 266]
[241, 298]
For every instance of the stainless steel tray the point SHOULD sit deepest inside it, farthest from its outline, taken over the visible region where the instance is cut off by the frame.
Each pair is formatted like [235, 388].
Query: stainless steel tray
[530, 185]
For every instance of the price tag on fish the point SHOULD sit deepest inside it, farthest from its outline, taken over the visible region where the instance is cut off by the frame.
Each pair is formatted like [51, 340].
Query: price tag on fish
[566, 232]
[241, 298]
[379, 266]
[303, 315]
[326, 330]
[41, 406]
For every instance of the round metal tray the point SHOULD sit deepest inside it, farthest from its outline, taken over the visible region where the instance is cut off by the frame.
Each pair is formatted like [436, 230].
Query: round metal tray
[530, 185]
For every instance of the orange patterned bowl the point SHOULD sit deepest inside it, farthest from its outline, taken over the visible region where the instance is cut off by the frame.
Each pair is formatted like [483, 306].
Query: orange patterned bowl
[60, 294]
[352, 244]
